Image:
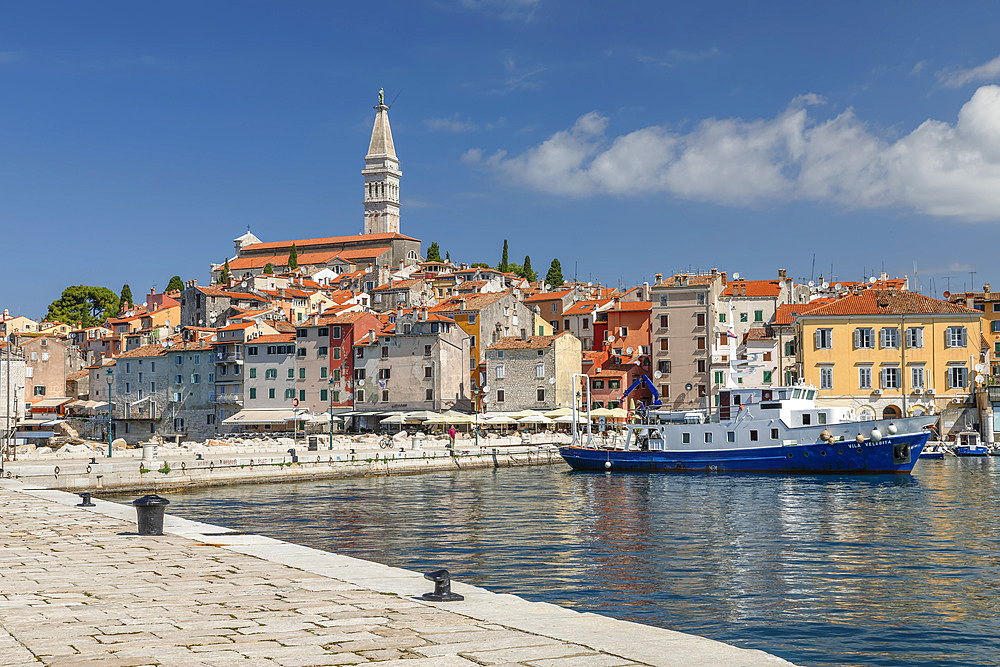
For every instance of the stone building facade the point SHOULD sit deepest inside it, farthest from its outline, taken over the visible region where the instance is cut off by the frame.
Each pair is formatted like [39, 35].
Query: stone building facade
[532, 372]
[48, 363]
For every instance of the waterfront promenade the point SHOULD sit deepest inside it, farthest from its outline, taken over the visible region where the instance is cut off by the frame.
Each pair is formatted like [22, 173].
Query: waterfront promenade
[236, 463]
[79, 587]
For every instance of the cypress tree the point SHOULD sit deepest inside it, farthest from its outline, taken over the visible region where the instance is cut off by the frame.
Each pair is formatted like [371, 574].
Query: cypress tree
[554, 277]
[293, 258]
[434, 253]
[526, 271]
[175, 285]
[268, 269]
[224, 276]
[126, 298]
[504, 265]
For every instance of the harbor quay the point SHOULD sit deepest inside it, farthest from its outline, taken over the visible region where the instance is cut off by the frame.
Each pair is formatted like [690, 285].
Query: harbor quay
[236, 461]
[80, 587]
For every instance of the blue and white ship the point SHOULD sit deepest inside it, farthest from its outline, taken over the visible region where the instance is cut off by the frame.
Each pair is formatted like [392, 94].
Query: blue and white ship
[759, 430]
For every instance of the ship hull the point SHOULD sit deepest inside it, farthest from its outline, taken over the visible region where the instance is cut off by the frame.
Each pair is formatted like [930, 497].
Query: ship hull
[895, 454]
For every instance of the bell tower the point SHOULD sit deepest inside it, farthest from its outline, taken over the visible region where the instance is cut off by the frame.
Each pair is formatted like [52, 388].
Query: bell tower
[382, 175]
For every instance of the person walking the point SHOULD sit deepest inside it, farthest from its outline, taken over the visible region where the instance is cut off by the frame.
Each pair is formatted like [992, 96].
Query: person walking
[451, 437]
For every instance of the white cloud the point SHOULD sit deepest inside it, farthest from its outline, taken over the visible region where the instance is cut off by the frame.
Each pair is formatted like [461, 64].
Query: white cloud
[940, 169]
[506, 9]
[453, 124]
[675, 57]
[985, 73]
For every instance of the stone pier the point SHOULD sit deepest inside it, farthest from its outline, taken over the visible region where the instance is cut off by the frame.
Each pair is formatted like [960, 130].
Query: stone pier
[78, 586]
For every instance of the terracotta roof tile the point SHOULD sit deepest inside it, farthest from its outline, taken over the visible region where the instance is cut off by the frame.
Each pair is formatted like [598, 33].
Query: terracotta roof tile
[889, 302]
[528, 343]
[753, 288]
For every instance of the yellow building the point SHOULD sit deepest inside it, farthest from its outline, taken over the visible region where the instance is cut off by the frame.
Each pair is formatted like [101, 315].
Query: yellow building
[888, 352]
[987, 303]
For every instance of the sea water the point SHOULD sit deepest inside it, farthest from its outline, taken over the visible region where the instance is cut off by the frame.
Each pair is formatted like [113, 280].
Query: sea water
[866, 570]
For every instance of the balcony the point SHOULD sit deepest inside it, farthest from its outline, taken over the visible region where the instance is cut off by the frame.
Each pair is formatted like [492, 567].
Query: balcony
[229, 357]
[228, 399]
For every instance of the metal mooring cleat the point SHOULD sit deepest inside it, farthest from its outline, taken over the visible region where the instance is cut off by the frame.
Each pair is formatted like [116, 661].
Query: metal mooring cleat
[442, 587]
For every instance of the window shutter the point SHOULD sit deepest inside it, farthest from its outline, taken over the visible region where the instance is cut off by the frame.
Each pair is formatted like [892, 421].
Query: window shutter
[857, 338]
[881, 378]
[949, 377]
[964, 337]
[818, 338]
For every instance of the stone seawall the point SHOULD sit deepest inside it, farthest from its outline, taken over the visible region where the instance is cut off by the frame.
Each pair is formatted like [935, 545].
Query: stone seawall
[188, 470]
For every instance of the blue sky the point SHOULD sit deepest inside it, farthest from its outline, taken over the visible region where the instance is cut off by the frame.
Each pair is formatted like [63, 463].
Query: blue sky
[138, 139]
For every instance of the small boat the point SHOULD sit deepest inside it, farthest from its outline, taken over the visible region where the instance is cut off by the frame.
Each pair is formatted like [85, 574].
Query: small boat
[935, 451]
[969, 445]
[759, 430]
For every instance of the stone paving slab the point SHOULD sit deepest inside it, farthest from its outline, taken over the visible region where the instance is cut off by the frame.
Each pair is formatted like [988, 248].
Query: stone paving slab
[80, 587]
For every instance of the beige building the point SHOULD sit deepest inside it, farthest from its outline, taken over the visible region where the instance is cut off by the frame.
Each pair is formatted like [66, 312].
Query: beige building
[532, 372]
[684, 339]
[49, 362]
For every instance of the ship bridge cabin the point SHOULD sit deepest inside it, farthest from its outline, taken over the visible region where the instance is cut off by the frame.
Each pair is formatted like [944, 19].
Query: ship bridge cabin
[795, 406]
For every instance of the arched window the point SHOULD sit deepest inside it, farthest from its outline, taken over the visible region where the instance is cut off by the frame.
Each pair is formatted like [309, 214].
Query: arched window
[866, 414]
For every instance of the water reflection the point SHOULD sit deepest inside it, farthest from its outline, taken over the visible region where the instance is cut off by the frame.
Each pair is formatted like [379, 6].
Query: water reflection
[835, 570]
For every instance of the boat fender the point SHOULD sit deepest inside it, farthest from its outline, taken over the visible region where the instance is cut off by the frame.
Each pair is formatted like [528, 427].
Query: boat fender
[825, 435]
[891, 429]
[860, 438]
[876, 434]
[607, 464]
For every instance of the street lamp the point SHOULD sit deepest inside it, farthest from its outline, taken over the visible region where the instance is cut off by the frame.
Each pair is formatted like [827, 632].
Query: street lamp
[481, 396]
[110, 376]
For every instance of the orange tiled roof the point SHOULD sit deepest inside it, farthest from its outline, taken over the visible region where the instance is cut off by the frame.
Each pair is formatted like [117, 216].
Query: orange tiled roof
[889, 302]
[154, 350]
[305, 243]
[528, 343]
[633, 306]
[548, 296]
[274, 338]
[758, 333]
[472, 302]
[753, 288]
[787, 312]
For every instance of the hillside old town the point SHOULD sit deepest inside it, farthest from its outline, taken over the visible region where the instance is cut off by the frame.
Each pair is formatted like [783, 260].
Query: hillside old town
[338, 332]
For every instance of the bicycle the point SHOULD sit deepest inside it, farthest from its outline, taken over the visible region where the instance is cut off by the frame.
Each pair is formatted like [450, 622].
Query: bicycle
[385, 443]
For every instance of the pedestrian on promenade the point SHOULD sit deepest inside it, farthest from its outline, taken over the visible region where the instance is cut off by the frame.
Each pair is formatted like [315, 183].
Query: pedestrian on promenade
[451, 437]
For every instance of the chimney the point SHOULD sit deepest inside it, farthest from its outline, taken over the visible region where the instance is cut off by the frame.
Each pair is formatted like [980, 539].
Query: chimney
[986, 289]
[423, 314]
[646, 296]
[781, 274]
[461, 303]
[658, 278]
[372, 336]
[524, 334]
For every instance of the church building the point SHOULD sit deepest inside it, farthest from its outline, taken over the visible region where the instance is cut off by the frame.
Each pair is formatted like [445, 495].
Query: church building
[378, 246]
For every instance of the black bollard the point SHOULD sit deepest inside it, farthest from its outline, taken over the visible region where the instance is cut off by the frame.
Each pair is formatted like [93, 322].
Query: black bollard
[85, 497]
[149, 514]
[442, 587]
[295, 458]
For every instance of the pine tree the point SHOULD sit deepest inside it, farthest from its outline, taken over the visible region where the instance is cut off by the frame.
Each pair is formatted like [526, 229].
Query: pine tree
[447, 257]
[293, 258]
[434, 253]
[224, 275]
[504, 265]
[554, 277]
[126, 298]
[175, 284]
[527, 272]
[268, 269]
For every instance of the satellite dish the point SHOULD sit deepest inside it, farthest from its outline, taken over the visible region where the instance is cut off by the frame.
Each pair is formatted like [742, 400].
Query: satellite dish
[688, 386]
[825, 284]
[628, 350]
[598, 370]
[486, 388]
[611, 339]
[168, 323]
[361, 383]
[872, 280]
[980, 378]
[812, 284]
[552, 380]
[717, 329]
[485, 399]
[657, 374]
[736, 276]
[980, 368]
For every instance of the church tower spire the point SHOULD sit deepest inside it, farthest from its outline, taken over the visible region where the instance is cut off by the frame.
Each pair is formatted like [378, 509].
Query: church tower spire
[382, 175]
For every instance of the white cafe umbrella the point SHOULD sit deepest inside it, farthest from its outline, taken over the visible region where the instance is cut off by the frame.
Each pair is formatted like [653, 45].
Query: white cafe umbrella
[535, 419]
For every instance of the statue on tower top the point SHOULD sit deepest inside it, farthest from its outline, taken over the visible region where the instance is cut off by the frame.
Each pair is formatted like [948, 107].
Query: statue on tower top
[381, 97]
